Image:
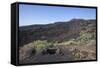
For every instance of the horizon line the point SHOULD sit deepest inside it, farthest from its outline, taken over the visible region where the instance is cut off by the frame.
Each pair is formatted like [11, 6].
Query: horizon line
[57, 21]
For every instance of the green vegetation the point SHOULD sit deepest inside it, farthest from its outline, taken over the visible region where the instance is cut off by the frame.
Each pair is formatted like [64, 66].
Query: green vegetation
[40, 44]
[84, 38]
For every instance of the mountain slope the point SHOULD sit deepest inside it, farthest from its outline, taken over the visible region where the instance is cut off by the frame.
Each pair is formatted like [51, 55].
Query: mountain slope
[58, 31]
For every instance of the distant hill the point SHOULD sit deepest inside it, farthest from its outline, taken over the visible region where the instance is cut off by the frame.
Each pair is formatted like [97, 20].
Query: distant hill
[57, 31]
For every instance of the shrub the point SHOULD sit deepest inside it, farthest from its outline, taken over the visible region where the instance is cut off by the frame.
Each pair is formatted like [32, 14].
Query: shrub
[40, 44]
[85, 37]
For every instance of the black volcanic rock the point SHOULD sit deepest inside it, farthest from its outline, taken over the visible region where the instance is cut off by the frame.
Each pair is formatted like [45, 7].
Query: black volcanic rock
[58, 31]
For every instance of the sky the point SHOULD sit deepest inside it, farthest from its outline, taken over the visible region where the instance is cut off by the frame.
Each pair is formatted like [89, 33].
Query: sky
[36, 14]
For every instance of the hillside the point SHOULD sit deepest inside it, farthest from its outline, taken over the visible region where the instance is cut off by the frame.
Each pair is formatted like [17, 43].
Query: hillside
[60, 41]
[57, 31]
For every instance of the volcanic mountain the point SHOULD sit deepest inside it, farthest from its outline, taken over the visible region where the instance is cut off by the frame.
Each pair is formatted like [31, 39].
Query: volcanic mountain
[57, 31]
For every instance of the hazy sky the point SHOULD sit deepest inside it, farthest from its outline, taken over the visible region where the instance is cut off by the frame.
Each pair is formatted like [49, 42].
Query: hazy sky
[35, 14]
